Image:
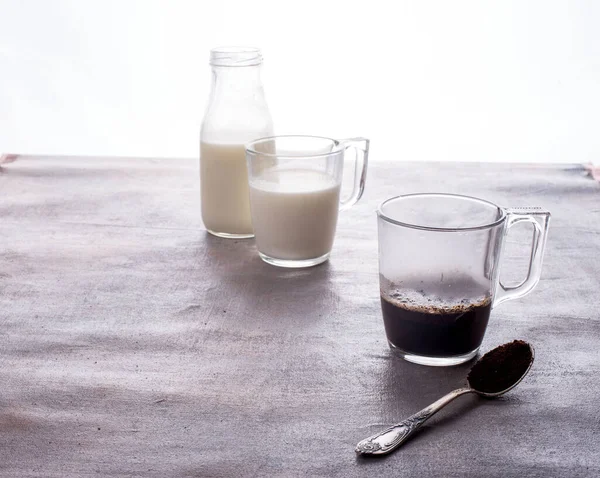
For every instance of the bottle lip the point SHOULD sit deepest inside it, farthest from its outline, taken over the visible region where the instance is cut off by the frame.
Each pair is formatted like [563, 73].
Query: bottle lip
[235, 56]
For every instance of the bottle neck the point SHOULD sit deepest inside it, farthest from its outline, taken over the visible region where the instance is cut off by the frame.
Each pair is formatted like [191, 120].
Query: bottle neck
[237, 80]
[237, 111]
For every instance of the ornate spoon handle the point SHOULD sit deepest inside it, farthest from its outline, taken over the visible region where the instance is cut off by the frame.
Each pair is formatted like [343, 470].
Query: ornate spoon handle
[390, 439]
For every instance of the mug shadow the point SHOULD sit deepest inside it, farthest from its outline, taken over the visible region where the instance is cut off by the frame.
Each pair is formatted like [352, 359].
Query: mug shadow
[400, 380]
[241, 280]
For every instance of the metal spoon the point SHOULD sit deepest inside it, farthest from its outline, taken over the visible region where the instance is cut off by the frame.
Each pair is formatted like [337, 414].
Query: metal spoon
[391, 438]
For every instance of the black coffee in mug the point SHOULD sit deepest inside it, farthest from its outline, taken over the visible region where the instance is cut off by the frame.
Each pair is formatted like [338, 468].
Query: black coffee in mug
[436, 318]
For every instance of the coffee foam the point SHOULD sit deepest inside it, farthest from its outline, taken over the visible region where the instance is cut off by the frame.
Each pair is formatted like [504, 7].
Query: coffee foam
[428, 303]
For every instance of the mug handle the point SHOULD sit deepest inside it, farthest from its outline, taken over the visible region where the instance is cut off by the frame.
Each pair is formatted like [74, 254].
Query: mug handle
[538, 245]
[361, 145]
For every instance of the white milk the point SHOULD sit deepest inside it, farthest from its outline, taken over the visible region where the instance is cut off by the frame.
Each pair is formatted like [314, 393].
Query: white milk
[294, 213]
[224, 188]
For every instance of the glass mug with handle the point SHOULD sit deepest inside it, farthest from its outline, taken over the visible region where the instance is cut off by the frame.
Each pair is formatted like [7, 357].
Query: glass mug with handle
[439, 262]
[295, 184]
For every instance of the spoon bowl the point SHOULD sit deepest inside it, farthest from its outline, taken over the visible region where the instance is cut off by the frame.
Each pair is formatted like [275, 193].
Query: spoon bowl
[516, 380]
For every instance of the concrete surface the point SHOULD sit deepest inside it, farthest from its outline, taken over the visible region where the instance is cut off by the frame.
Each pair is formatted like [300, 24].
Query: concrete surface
[134, 344]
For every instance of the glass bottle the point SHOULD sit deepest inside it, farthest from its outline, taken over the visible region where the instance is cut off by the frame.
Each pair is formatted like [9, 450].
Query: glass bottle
[237, 113]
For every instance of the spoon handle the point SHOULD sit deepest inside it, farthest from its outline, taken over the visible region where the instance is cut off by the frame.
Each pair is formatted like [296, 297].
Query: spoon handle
[391, 438]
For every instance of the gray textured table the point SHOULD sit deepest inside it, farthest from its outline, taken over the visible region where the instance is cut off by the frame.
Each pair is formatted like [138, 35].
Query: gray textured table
[134, 344]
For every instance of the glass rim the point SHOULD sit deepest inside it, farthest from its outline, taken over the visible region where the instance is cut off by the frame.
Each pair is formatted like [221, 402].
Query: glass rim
[249, 147]
[390, 220]
[226, 56]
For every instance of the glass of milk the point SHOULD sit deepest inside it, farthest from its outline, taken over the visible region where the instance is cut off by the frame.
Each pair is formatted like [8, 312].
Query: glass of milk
[237, 112]
[295, 184]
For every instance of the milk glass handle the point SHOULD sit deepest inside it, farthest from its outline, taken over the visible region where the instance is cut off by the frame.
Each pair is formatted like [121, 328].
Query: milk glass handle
[539, 219]
[361, 146]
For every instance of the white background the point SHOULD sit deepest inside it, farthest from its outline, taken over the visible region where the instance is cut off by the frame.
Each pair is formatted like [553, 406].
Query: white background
[425, 80]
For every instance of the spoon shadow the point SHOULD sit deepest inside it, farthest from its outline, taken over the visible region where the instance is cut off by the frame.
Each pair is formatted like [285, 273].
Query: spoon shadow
[497, 372]
[446, 419]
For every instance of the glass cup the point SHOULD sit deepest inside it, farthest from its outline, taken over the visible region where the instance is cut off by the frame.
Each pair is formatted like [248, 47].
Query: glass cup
[439, 262]
[295, 184]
